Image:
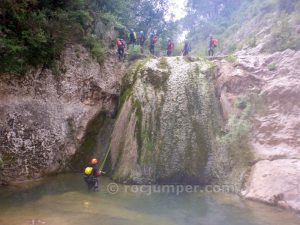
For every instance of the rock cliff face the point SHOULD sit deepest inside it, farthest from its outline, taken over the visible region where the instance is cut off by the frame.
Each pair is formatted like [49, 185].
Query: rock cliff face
[166, 127]
[180, 120]
[271, 84]
[44, 118]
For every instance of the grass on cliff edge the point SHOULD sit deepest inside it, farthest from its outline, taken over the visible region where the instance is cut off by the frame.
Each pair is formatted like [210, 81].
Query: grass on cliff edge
[235, 142]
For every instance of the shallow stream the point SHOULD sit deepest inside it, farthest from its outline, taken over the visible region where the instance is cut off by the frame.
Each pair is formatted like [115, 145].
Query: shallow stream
[63, 200]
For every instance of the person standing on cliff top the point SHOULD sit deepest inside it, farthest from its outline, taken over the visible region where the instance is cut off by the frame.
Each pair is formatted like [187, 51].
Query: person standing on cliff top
[121, 45]
[213, 43]
[142, 40]
[186, 49]
[132, 38]
[170, 47]
[153, 40]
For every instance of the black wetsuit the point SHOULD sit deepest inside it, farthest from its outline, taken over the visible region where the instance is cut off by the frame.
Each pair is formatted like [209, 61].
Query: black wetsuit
[186, 48]
[142, 40]
[211, 47]
[92, 179]
[132, 38]
[152, 44]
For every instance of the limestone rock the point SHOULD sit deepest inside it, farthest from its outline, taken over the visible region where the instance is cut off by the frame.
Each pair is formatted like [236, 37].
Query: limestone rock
[273, 82]
[275, 182]
[165, 129]
[44, 117]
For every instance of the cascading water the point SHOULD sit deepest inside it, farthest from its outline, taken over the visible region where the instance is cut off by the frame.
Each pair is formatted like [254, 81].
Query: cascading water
[166, 127]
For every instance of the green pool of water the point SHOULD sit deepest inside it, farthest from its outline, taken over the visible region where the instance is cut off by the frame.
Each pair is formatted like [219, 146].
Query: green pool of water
[63, 200]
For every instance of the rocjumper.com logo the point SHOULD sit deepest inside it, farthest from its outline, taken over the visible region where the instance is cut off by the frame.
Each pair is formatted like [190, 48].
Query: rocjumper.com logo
[114, 188]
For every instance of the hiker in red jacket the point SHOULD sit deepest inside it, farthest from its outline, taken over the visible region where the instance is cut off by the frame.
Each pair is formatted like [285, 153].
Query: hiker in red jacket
[153, 40]
[121, 44]
[213, 43]
[170, 47]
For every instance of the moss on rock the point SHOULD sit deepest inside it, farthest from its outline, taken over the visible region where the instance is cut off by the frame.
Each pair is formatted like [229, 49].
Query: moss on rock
[171, 106]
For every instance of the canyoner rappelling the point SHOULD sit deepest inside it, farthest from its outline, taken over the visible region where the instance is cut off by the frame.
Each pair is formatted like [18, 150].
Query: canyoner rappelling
[93, 172]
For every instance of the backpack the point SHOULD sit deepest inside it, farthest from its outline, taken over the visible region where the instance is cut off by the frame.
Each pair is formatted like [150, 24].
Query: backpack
[132, 36]
[170, 45]
[216, 42]
[154, 39]
[123, 42]
[119, 43]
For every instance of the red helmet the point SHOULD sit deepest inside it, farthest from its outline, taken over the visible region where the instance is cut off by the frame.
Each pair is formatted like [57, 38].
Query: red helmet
[94, 161]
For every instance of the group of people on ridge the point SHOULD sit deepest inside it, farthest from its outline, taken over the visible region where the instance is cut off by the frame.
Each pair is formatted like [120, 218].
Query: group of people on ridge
[134, 39]
[140, 39]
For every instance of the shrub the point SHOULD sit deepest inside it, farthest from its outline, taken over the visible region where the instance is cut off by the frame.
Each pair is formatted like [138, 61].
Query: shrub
[133, 52]
[22, 46]
[1, 163]
[96, 48]
[33, 33]
[272, 67]
[231, 58]
[241, 103]
[236, 154]
[163, 63]
[232, 47]
[236, 141]
[283, 36]
[252, 42]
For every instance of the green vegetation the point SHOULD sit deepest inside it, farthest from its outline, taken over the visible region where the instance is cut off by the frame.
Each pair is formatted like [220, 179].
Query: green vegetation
[96, 47]
[283, 36]
[34, 33]
[1, 163]
[231, 58]
[272, 67]
[235, 139]
[236, 142]
[128, 81]
[163, 63]
[139, 126]
[252, 42]
[239, 24]
[241, 103]
[134, 53]
[197, 69]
